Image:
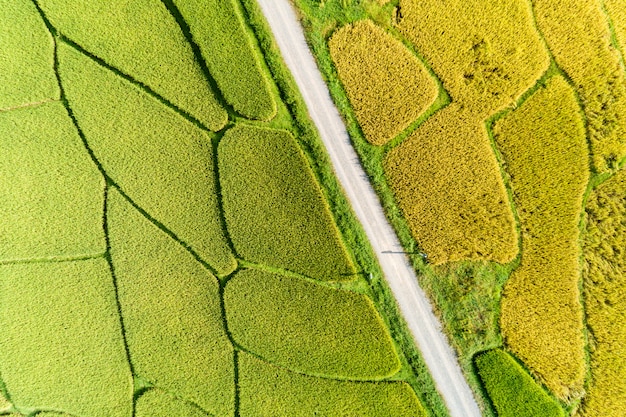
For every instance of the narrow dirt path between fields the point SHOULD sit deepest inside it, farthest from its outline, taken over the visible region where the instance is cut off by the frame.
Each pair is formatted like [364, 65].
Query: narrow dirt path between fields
[415, 307]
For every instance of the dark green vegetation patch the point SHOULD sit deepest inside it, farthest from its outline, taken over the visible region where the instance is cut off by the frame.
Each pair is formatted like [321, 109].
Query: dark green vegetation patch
[512, 391]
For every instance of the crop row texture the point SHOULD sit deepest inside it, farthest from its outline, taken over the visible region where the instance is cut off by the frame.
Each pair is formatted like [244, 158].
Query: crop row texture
[388, 87]
[114, 249]
[605, 298]
[445, 176]
[580, 39]
[27, 75]
[512, 391]
[274, 208]
[308, 328]
[545, 153]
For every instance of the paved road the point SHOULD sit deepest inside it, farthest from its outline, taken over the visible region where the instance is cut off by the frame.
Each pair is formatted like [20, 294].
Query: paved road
[416, 309]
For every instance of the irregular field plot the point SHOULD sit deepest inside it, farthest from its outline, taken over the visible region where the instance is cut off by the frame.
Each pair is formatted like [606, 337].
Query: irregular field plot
[267, 391]
[229, 51]
[388, 87]
[308, 328]
[61, 343]
[171, 310]
[579, 37]
[450, 191]
[512, 391]
[51, 193]
[605, 298]
[133, 35]
[445, 176]
[545, 153]
[26, 56]
[275, 211]
[157, 403]
[161, 160]
[616, 10]
[486, 52]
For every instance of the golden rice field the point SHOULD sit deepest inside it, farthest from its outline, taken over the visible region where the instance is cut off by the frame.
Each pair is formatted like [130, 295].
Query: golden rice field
[507, 192]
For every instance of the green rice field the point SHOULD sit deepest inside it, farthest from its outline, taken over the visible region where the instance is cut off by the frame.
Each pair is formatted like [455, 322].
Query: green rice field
[173, 241]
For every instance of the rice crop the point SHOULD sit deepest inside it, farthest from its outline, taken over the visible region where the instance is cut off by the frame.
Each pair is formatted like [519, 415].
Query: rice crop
[61, 344]
[160, 159]
[604, 287]
[545, 153]
[450, 191]
[616, 10]
[512, 391]
[230, 51]
[388, 87]
[26, 56]
[51, 193]
[274, 209]
[445, 177]
[171, 309]
[579, 37]
[266, 391]
[143, 40]
[308, 328]
[486, 52]
[157, 403]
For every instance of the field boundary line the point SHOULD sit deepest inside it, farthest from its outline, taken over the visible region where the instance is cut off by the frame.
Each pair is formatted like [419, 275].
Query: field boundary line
[415, 307]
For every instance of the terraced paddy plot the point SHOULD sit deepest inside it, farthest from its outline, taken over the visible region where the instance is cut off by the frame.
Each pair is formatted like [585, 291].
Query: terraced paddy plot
[157, 403]
[605, 298]
[545, 153]
[142, 40]
[231, 55]
[160, 159]
[51, 194]
[171, 309]
[274, 208]
[579, 37]
[388, 87]
[449, 189]
[308, 328]
[26, 56]
[61, 347]
[266, 390]
[512, 391]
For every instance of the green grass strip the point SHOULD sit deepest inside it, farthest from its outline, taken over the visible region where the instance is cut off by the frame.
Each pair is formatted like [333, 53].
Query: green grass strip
[274, 208]
[157, 403]
[172, 312]
[61, 345]
[308, 328]
[143, 40]
[160, 159]
[230, 51]
[51, 194]
[268, 391]
[26, 56]
[512, 391]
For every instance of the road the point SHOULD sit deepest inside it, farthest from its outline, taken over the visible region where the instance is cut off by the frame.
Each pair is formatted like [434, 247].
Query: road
[415, 307]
